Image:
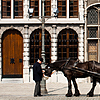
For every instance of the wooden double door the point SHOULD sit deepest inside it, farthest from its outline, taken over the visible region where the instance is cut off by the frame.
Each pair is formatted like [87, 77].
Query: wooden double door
[12, 54]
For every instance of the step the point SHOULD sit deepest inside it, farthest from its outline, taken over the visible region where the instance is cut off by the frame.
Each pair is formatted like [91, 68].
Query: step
[12, 80]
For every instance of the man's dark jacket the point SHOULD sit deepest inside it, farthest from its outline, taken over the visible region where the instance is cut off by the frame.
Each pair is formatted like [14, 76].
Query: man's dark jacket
[37, 72]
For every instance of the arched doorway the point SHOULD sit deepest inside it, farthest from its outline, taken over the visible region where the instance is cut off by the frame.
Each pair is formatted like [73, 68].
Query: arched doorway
[12, 54]
[36, 46]
[67, 44]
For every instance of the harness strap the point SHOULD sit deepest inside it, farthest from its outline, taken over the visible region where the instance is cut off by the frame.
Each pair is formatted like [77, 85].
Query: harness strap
[93, 65]
[64, 64]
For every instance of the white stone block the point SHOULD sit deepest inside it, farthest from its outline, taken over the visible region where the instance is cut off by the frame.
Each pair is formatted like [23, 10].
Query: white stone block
[26, 78]
[53, 53]
[26, 36]
[26, 49]
[54, 58]
[54, 44]
[81, 53]
[81, 49]
[26, 63]
[26, 58]
[81, 44]
[25, 71]
[26, 53]
[54, 40]
[26, 45]
[53, 49]
[26, 40]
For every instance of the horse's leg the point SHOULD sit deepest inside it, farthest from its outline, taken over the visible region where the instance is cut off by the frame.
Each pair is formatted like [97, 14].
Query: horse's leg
[91, 93]
[69, 94]
[77, 93]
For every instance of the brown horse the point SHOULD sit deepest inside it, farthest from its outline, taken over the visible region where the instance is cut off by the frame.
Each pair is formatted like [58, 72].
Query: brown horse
[71, 74]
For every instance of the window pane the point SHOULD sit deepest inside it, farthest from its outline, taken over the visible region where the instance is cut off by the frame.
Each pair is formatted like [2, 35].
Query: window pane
[35, 4]
[6, 8]
[67, 44]
[62, 8]
[18, 8]
[73, 8]
[36, 46]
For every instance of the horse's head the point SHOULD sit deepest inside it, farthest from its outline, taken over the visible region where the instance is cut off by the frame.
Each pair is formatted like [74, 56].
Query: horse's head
[48, 71]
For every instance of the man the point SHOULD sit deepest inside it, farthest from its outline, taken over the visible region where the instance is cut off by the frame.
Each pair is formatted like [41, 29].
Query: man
[37, 76]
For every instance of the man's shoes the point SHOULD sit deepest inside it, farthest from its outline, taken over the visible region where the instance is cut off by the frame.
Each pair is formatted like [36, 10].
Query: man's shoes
[38, 95]
[35, 95]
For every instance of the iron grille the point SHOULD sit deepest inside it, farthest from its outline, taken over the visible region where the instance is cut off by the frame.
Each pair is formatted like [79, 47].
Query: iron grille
[92, 16]
[67, 45]
[92, 50]
[92, 32]
[36, 46]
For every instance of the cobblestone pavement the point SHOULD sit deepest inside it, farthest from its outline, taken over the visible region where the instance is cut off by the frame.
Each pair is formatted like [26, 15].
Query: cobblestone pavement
[56, 91]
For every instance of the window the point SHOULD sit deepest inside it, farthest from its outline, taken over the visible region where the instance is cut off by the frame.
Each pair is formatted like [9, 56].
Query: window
[36, 46]
[62, 8]
[35, 5]
[18, 8]
[73, 8]
[67, 45]
[93, 32]
[47, 8]
[6, 8]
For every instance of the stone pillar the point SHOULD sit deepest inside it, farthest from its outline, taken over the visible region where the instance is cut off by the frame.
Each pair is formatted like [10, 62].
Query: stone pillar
[0, 9]
[26, 54]
[67, 8]
[81, 9]
[53, 44]
[85, 34]
[81, 44]
[26, 7]
[0, 60]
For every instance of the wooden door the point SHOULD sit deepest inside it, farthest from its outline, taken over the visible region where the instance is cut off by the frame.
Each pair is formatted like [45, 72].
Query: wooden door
[12, 54]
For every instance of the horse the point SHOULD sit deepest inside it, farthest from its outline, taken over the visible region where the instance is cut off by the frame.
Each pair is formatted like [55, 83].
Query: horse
[70, 74]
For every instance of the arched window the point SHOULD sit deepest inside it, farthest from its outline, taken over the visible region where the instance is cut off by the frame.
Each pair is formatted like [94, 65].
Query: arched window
[67, 44]
[93, 32]
[36, 46]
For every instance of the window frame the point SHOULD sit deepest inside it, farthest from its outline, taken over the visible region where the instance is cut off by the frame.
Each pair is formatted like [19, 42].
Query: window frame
[5, 11]
[19, 11]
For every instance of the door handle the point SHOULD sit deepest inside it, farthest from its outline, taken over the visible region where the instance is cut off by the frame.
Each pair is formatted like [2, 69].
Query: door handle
[12, 61]
[20, 60]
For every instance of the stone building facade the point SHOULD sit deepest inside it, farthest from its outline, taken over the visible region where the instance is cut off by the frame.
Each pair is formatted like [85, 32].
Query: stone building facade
[27, 27]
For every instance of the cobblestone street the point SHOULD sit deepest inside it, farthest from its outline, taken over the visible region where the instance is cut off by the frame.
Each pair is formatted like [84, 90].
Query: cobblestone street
[56, 91]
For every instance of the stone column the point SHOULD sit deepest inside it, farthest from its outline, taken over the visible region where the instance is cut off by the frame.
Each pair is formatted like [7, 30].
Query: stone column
[53, 44]
[85, 34]
[67, 8]
[0, 59]
[26, 7]
[81, 44]
[0, 9]
[26, 41]
[81, 9]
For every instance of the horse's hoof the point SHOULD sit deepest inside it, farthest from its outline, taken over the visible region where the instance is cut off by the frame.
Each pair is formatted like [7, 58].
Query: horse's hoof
[89, 95]
[68, 95]
[77, 94]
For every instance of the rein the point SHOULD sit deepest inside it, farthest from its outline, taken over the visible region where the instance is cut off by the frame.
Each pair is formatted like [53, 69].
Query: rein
[64, 64]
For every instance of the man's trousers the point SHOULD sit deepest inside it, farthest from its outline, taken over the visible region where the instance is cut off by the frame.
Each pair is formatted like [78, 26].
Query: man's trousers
[37, 90]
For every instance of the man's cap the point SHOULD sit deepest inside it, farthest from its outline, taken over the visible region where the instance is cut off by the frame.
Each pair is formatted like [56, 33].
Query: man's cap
[41, 59]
